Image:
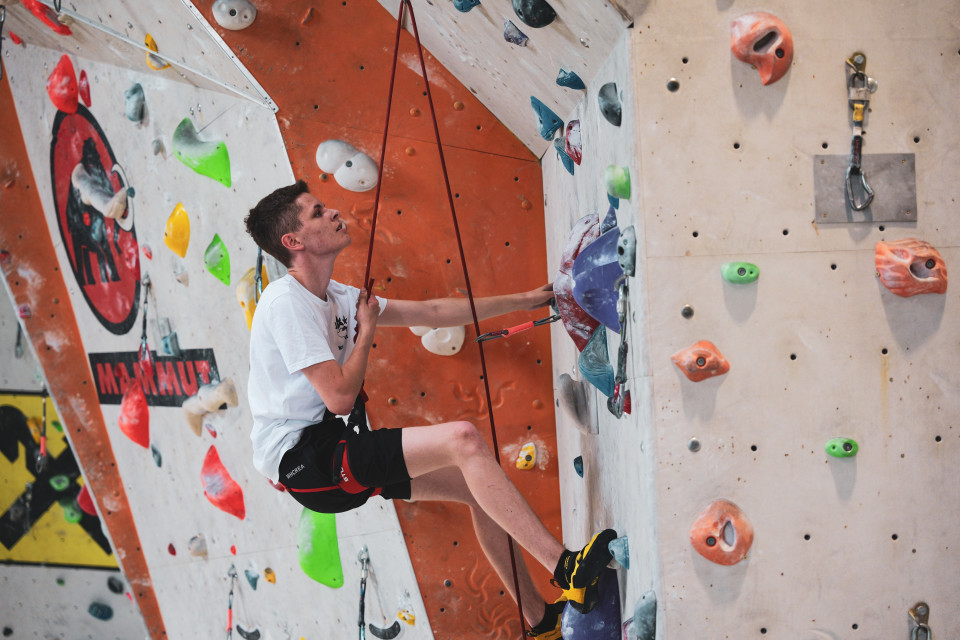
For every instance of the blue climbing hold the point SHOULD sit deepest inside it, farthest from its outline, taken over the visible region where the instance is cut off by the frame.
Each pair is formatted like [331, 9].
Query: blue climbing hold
[513, 35]
[563, 155]
[100, 611]
[465, 5]
[578, 465]
[614, 202]
[547, 121]
[620, 548]
[603, 623]
[596, 271]
[609, 220]
[570, 80]
[645, 617]
[594, 362]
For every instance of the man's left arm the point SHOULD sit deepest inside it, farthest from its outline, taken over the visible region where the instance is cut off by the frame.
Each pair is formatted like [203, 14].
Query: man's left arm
[452, 312]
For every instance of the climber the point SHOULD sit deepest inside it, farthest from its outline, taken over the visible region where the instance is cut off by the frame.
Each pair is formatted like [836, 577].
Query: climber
[309, 346]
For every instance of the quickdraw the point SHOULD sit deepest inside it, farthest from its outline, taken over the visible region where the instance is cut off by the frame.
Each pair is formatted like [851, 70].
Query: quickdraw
[619, 402]
[530, 324]
[859, 88]
[42, 456]
[258, 279]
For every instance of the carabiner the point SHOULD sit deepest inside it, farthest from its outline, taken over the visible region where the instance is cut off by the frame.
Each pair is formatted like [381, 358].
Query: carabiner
[868, 192]
[920, 614]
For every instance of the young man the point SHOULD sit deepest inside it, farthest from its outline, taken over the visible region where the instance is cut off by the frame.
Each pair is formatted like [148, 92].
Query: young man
[309, 345]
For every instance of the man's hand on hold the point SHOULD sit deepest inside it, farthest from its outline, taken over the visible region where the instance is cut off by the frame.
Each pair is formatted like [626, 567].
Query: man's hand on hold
[539, 297]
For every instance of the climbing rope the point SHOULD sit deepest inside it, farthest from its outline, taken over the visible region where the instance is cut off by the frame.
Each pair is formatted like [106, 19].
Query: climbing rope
[368, 282]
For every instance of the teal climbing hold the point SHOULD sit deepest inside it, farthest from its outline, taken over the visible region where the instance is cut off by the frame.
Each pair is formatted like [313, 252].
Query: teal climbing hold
[578, 465]
[465, 5]
[620, 548]
[570, 80]
[217, 259]
[157, 458]
[618, 181]
[318, 548]
[740, 272]
[842, 447]
[60, 482]
[594, 362]
[206, 158]
[645, 617]
[252, 577]
[563, 155]
[100, 611]
[534, 13]
[614, 202]
[547, 121]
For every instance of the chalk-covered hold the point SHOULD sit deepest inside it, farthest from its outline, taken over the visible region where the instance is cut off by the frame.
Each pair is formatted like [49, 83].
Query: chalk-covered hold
[208, 158]
[352, 169]
[513, 35]
[133, 103]
[442, 341]
[234, 14]
[910, 267]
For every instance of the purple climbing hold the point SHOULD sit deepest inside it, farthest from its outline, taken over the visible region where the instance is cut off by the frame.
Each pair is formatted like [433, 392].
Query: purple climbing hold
[513, 35]
[603, 622]
[595, 274]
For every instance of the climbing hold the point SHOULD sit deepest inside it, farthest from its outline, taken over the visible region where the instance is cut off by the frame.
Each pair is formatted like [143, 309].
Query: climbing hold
[48, 16]
[134, 417]
[620, 548]
[15, 39]
[233, 549]
[59, 482]
[614, 202]
[618, 181]
[609, 100]
[247, 292]
[527, 458]
[464, 6]
[565, 158]
[594, 362]
[62, 86]
[601, 623]
[155, 62]
[353, 169]
[71, 512]
[722, 533]
[318, 549]
[307, 17]
[115, 585]
[252, 577]
[571, 141]
[910, 267]
[595, 274]
[693, 444]
[442, 341]
[96, 190]
[210, 397]
[85, 501]
[234, 14]
[513, 35]
[157, 147]
[157, 458]
[701, 361]
[573, 399]
[100, 611]
[761, 39]
[172, 550]
[842, 447]
[217, 259]
[458, 105]
[209, 159]
[386, 633]
[220, 489]
[627, 250]
[83, 88]
[147, 250]
[270, 576]
[534, 13]
[578, 465]
[254, 634]
[547, 121]
[133, 103]
[197, 546]
[740, 272]
[24, 311]
[644, 619]
[578, 323]
[570, 80]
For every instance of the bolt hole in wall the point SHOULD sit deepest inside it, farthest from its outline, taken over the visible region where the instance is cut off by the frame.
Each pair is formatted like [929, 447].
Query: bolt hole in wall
[736, 145]
[824, 145]
[685, 60]
[673, 85]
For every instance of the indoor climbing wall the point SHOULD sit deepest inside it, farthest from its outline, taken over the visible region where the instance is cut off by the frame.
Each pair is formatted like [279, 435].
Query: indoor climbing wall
[823, 427]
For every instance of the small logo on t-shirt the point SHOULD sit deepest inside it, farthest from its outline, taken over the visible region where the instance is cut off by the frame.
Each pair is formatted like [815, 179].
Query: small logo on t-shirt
[341, 325]
[295, 471]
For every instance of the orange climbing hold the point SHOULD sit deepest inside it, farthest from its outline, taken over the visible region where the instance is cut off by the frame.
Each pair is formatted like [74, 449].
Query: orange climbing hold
[909, 267]
[701, 361]
[219, 487]
[134, 415]
[62, 86]
[763, 40]
[722, 533]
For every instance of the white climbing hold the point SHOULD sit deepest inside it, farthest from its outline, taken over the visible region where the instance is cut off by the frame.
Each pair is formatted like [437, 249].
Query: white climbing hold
[352, 169]
[234, 14]
[442, 341]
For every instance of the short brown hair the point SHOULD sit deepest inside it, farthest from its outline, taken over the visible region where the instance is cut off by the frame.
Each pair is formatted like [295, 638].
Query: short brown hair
[274, 216]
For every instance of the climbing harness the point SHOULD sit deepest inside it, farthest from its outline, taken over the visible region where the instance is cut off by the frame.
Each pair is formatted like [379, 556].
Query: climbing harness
[42, 456]
[921, 614]
[619, 402]
[364, 558]
[530, 324]
[859, 88]
[406, 4]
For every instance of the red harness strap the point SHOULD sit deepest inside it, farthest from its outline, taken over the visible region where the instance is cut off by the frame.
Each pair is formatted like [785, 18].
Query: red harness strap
[348, 481]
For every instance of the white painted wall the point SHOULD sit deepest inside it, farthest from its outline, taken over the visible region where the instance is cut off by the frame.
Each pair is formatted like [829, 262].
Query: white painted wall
[851, 579]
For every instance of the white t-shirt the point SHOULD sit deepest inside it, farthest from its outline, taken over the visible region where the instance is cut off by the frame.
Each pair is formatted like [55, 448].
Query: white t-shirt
[293, 329]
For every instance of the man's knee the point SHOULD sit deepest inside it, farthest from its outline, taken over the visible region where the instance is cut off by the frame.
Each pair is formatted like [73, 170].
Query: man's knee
[466, 440]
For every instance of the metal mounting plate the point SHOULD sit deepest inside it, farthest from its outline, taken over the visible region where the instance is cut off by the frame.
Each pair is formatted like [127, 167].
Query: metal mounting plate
[892, 176]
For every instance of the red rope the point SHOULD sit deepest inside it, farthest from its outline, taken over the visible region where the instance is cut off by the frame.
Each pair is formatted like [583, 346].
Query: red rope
[456, 227]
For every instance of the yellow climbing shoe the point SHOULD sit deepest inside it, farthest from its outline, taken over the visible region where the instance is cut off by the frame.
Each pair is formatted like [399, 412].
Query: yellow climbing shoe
[584, 574]
[549, 627]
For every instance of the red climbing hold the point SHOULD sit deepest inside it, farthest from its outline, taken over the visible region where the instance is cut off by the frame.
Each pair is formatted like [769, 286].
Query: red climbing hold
[14, 38]
[62, 86]
[84, 88]
[85, 501]
[172, 550]
[722, 533]
[219, 488]
[910, 267]
[48, 16]
[578, 323]
[134, 415]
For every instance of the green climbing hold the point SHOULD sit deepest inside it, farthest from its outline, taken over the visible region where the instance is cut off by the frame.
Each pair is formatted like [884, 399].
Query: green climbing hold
[56, 425]
[217, 259]
[842, 447]
[60, 482]
[618, 181]
[740, 272]
[71, 511]
[206, 158]
[318, 548]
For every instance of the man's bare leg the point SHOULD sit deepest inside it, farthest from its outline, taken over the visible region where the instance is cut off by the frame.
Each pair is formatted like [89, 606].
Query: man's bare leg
[448, 485]
[458, 444]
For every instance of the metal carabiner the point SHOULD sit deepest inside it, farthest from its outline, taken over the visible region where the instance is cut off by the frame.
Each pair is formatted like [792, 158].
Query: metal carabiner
[855, 170]
[920, 614]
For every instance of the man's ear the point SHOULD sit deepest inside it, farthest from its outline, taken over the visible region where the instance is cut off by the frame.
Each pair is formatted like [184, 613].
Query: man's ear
[291, 242]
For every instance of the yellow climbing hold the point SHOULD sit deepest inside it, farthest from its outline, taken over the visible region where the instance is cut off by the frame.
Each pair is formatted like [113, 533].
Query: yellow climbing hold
[270, 575]
[154, 62]
[527, 457]
[177, 234]
[247, 292]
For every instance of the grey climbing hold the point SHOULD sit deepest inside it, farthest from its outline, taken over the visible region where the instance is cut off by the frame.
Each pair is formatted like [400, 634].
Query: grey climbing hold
[645, 617]
[547, 121]
[563, 155]
[513, 35]
[115, 584]
[620, 548]
[627, 250]
[134, 103]
[570, 80]
[248, 635]
[578, 465]
[157, 458]
[534, 13]
[573, 399]
[464, 6]
[610, 103]
[386, 633]
[234, 14]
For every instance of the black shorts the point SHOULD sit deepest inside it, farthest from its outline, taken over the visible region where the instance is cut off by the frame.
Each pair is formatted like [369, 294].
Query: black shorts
[333, 468]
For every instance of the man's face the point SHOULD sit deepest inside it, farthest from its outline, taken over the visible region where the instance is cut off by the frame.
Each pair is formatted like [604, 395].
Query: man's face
[322, 231]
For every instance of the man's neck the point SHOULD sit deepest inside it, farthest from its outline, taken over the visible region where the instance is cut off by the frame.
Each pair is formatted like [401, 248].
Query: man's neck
[315, 277]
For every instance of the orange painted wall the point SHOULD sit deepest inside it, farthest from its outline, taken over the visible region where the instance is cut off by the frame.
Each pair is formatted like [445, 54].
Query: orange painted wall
[330, 78]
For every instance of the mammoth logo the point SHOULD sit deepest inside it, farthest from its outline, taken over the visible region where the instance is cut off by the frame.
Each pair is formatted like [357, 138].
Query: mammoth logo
[95, 217]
